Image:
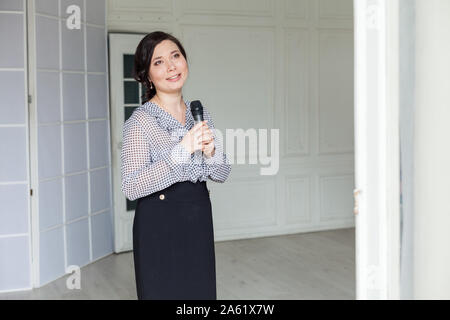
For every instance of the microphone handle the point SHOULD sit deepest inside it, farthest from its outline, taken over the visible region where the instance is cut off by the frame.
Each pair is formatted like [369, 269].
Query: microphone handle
[198, 154]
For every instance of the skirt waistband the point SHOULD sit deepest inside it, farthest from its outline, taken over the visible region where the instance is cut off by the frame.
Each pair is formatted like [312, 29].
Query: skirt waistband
[181, 191]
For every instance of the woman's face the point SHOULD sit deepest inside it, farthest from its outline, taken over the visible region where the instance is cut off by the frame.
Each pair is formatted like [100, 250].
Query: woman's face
[167, 62]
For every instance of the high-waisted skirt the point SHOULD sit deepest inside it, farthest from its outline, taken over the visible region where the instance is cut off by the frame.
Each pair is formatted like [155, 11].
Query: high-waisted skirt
[173, 244]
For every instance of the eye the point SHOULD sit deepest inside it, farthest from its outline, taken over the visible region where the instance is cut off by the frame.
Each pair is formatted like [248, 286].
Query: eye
[156, 63]
[176, 55]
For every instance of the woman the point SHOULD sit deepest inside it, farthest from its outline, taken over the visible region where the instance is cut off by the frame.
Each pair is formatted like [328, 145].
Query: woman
[173, 238]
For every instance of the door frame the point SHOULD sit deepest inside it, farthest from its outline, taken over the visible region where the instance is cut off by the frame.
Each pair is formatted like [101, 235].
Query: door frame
[377, 169]
[119, 44]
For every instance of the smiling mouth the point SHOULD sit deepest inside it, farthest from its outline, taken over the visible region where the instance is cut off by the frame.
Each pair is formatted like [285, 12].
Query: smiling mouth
[174, 78]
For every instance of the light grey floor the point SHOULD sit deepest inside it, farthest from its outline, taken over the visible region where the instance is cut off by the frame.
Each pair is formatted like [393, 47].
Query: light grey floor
[317, 265]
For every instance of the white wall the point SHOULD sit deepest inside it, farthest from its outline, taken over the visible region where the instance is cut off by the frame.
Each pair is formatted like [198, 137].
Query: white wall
[15, 225]
[431, 152]
[66, 161]
[276, 64]
[72, 166]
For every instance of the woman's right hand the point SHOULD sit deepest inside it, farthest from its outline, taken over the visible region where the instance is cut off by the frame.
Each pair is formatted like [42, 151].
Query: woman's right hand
[194, 138]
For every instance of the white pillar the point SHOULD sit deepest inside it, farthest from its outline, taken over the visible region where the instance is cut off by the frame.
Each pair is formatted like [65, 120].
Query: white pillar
[432, 151]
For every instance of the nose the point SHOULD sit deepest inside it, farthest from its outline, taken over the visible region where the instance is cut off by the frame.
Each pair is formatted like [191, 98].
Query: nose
[171, 65]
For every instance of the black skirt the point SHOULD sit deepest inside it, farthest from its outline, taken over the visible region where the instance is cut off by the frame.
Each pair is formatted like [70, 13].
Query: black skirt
[173, 244]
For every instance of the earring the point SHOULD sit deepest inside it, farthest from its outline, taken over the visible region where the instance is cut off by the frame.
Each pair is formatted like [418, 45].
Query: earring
[151, 85]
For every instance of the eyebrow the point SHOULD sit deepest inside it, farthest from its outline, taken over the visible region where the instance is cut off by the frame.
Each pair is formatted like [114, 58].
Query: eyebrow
[161, 57]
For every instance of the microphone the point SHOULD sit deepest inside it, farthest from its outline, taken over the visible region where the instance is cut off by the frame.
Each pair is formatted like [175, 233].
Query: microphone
[197, 111]
[197, 114]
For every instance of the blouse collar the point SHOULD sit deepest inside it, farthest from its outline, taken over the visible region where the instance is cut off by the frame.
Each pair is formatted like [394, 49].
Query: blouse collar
[165, 119]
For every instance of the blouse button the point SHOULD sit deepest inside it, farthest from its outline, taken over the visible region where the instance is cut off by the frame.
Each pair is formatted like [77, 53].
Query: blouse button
[161, 197]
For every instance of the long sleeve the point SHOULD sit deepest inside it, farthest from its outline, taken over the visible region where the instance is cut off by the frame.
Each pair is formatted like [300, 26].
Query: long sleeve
[140, 175]
[217, 167]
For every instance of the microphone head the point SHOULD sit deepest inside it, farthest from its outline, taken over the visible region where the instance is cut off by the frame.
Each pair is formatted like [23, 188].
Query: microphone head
[197, 110]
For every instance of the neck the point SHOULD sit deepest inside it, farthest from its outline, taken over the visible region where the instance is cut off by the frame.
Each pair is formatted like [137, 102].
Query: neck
[172, 102]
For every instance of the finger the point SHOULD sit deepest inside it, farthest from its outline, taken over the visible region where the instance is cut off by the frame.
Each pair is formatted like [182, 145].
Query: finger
[201, 124]
[207, 131]
[198, 137]
[207, 142]
[200, 129]
[197, 126]
[208, 138]
[202, 134]
[208, 146]
[204, 126]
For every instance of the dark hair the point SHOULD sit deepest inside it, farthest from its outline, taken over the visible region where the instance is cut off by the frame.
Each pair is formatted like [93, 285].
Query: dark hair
[143, 57]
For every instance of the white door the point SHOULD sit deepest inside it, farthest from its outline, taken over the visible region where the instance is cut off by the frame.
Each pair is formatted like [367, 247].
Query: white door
[377, 149]
[125, 97]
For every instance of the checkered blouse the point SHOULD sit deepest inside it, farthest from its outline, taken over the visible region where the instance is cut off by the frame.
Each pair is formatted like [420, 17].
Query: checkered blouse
[153, 158]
